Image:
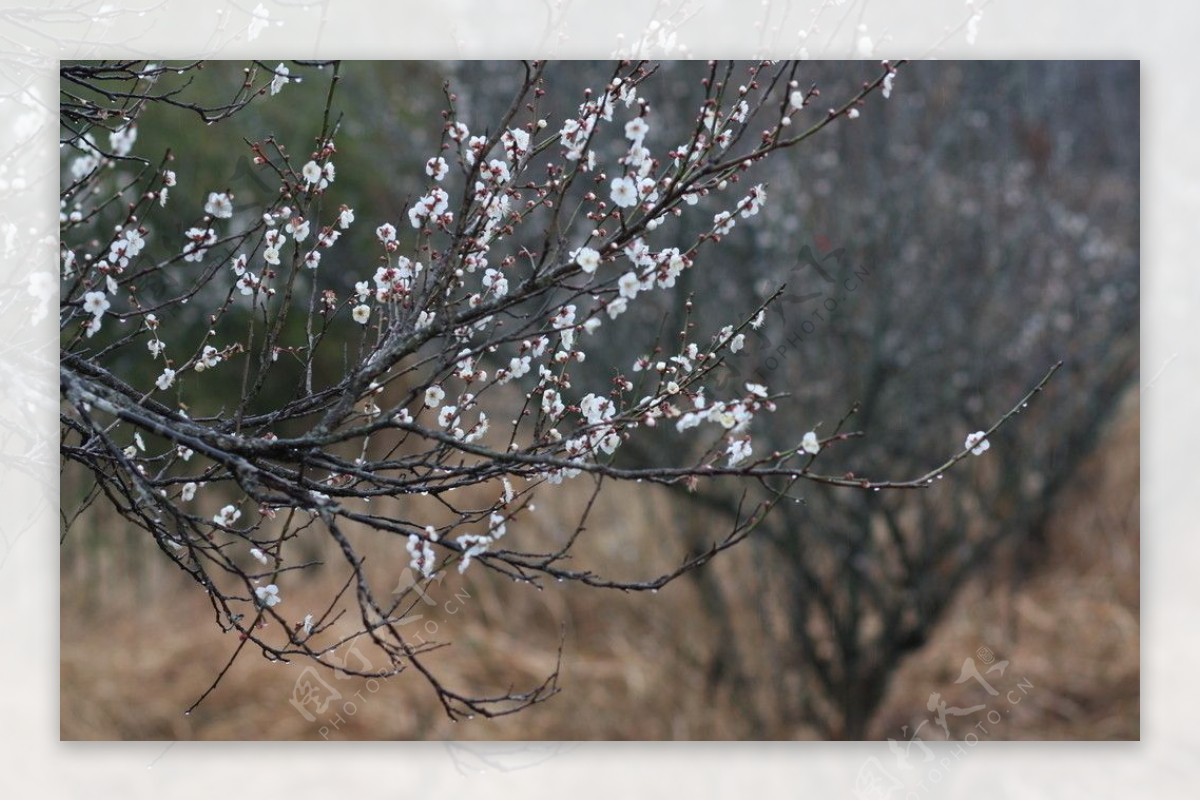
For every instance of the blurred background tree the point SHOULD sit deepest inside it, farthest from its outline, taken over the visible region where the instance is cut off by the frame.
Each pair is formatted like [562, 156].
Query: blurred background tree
[979, 226]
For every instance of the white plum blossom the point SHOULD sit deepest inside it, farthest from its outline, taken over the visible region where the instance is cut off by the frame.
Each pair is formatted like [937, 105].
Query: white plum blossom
[166, 379]
[495, 281]
[810, 443]
[436, 168]
[670, 264]
[281, 77]
[198, 242]
[386, 233]
[434, 395]
[639, 157]
[209, 357]
[596, 408]
[473, 545]
[552, 403]
[723, 223]
[574, 136]
[430, 206]
[259, 555]
[268, 595]
[361, 313]
[753, 201]
[639, 253]
[977, 443]
[448, 416]
[636, 130]
[739, 451]
[624, 192]
[125, 247]
[95, 303]
[629, 285]
[121, 141]
[464, 368]
[475, 146]
[517, 367]
[247, 284]
[227, 516]
[345, 217]
[219, 205]
[478, 430]
[588, 259]
[423, 558]
[516, 142]
[89, 161]
[298, 228]
[189, 491]
[498, 171]
[311, 172]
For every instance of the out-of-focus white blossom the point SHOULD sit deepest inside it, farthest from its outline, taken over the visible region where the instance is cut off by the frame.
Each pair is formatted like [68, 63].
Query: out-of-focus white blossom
[268, 595]
[977, 443]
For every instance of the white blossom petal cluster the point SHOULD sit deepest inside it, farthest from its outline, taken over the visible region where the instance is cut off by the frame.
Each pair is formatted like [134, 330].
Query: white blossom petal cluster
[423, 559]
[227, 516]
[268, 596]
[317, 176]
[977, 442]
[198, 242]
[432, 207]
[219, 205]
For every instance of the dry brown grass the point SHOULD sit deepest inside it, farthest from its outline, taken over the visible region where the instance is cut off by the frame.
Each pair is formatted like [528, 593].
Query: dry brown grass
[139, 644]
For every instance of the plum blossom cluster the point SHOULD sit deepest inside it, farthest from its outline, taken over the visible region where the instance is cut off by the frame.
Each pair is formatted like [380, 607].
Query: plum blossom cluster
[576, 132]
[95, 303]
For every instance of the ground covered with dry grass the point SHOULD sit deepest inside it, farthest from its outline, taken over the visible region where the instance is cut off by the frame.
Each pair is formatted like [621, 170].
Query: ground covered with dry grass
[138, 642]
